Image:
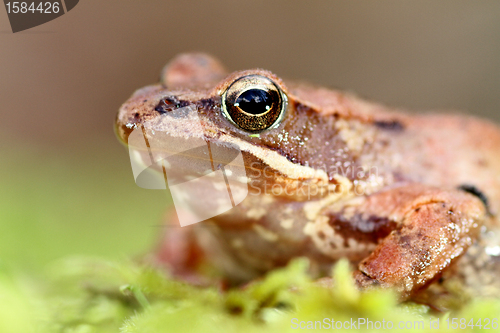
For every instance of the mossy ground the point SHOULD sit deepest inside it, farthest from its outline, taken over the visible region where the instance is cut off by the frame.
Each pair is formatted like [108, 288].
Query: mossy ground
[57, 205]
[79, 294]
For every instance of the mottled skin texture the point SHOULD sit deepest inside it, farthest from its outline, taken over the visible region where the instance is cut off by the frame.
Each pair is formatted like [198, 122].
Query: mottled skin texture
[396, 210]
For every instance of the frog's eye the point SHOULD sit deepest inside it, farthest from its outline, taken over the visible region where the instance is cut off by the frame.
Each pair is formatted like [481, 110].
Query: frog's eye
[254, 103]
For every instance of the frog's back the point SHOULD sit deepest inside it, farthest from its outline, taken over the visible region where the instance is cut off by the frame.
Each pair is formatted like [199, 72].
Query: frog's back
[452, 151]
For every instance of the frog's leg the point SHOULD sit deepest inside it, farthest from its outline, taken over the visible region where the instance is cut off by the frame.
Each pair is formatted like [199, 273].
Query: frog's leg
[429, 228]
[179, 252]
[195, 254]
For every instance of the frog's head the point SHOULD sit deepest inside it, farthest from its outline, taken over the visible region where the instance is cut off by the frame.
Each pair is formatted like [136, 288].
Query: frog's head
[282, 132]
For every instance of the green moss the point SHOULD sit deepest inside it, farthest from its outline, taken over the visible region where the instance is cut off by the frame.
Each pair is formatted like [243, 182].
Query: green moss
[65, 204]
[81, 294]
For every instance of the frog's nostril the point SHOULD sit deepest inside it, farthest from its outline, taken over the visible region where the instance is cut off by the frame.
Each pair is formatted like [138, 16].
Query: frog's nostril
[170, 103]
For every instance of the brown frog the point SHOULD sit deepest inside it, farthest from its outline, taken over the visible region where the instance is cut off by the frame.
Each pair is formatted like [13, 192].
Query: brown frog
[408, 199]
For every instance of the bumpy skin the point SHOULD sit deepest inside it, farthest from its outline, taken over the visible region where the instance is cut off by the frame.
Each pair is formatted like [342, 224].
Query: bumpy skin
[409, 193]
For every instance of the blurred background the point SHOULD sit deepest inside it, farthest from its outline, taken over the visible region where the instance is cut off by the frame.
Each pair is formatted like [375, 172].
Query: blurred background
[66, 186]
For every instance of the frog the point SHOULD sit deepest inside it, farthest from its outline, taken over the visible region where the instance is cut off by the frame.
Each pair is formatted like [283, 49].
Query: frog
[409, 199]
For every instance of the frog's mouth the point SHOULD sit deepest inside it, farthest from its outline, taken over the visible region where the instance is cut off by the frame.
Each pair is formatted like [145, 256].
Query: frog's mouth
[204, 179]
[173, 147]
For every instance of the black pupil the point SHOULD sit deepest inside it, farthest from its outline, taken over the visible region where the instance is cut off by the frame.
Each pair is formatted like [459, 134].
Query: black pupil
[254, 101]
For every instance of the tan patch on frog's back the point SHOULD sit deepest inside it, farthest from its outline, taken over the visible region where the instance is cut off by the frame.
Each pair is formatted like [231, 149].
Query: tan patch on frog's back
[355, 134]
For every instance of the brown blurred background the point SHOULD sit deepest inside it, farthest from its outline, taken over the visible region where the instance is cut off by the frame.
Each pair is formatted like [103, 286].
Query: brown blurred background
[64, 80]
[62, 83]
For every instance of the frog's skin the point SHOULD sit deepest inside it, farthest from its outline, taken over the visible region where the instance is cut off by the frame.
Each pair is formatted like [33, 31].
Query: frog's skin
[430, 190]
